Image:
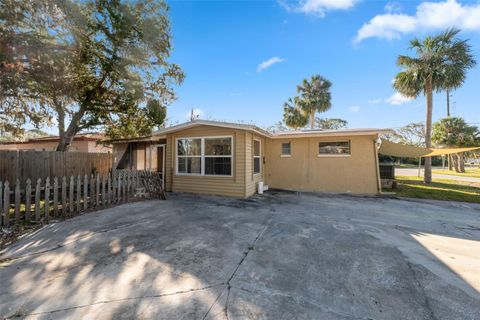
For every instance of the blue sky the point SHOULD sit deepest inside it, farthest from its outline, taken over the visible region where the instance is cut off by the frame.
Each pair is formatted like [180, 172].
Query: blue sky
[221, 45]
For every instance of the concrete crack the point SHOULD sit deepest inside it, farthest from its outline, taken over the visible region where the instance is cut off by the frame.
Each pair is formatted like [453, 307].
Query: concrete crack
[245, 254]
[120, 300]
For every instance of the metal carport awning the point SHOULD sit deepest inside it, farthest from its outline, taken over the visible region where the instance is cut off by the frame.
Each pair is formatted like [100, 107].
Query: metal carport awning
[389, 148]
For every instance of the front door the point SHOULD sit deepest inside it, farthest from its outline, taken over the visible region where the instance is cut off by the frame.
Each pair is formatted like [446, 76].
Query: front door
[161, 162]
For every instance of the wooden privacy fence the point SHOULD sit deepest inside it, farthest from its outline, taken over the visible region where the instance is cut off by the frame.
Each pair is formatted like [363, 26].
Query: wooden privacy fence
[21, 165]
[42, 200]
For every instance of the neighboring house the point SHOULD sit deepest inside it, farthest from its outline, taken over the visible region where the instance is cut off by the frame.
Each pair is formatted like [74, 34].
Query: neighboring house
[230, 159]
[84, 142]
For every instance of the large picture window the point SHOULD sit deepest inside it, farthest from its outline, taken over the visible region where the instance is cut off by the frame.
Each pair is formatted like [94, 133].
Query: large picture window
[218, 156]
[334, 148]
[189, 156]
[205, 156]
[256, 156]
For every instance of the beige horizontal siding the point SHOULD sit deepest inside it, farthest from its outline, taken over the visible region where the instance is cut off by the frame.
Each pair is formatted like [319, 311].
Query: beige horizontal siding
[227, 186]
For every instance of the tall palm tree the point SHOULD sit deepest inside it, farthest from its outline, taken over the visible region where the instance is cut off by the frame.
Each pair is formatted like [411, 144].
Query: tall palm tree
[292, 114]
[440, 61]
[315, 97]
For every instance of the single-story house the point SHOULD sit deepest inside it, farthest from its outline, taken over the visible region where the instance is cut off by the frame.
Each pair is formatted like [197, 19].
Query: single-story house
[82, 142]
[219, 158]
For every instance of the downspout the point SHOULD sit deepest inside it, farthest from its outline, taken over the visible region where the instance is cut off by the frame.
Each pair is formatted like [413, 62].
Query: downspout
[377, 165]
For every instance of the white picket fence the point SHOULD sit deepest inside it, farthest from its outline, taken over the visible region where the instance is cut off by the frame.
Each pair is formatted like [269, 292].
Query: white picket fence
[44, 200]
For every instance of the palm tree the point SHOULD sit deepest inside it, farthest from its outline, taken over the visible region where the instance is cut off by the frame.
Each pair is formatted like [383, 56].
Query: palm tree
[440, 61]
[292, 114]
[315, 97]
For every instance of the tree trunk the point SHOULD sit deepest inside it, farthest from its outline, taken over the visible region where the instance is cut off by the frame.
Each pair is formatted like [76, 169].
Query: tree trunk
[461, 162]
[60, 119]
[427, 176]
[455, 162]
[450, 167]
[72, 130]
[448, 103]
[312, 120]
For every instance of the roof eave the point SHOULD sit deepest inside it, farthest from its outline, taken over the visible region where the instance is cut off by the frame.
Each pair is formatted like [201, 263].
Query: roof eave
[332, 134]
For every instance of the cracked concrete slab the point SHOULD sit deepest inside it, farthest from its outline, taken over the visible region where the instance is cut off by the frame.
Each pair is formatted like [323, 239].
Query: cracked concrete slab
[277, 256]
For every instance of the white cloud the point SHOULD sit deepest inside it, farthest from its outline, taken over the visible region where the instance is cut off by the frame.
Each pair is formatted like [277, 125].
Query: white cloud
[428, 16]
[393, 7]
[318, 7]
[354, 108]
[398, 99]
[375, 101]
[197, 113]
[268, 63]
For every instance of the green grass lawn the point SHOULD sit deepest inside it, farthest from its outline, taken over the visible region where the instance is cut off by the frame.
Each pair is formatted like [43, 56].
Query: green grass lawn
[440, 189]
[469, 172]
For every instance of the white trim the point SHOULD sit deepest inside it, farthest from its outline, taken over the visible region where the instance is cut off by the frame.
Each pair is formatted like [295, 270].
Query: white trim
[202, 157]
[238, 126]
[330, 133]
[164, 152]
[259, 156]
[285, 156]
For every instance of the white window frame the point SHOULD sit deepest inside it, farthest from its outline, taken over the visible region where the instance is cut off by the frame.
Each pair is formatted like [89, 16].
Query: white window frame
[202, 157]
[281, 150]
[332, 155]
[259, 156]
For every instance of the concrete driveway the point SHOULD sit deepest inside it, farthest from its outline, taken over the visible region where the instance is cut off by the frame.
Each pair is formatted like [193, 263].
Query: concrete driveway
[276, 256]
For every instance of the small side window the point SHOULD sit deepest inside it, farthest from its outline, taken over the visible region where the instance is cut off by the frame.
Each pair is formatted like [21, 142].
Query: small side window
[256, 157]
[286, 149]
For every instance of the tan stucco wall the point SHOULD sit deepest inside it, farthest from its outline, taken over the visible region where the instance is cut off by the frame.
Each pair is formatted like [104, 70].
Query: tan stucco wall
[304, 170]
[227, 186]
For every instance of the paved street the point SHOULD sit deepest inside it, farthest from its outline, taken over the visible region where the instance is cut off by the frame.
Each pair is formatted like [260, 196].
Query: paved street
[414, 173]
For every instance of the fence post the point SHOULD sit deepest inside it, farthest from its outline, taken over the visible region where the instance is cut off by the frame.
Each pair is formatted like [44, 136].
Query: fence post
[109, 187]
[125, 187]
[55, 197]
[17, 202]
[85, 193]
[6, 204]
[104, 194]
[47, 199]
[92, 191]
[1, 202]
[119, 190]
[114, 190]
[97, 188]
[37, 200]
[71, 200]
[64, 197]
[79, 194]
